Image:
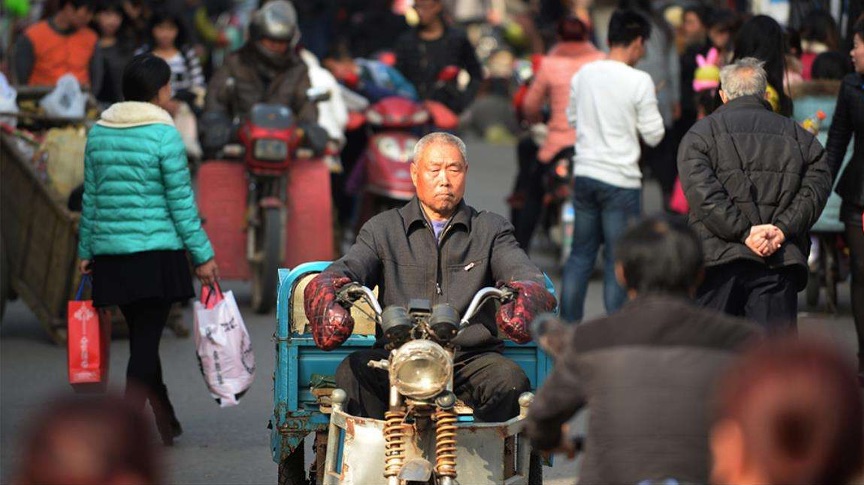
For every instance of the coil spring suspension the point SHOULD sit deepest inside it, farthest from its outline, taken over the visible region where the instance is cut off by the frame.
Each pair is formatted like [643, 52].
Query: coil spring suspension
[445, 443]
[395, 434]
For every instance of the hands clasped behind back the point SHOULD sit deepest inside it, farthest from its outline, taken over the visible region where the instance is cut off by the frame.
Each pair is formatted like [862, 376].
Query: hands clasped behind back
[765, 239]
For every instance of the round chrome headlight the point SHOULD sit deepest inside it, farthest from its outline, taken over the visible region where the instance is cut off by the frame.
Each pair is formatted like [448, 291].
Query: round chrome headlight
[420, 369]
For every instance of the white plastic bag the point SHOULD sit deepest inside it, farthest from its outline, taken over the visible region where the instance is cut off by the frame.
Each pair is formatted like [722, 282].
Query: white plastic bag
[224, 350]
[66, 100]
[8, 104]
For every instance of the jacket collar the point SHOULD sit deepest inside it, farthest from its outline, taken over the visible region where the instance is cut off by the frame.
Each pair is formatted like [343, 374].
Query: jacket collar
[134, 113]
[745, 102]
[855, 80]
[412, 214]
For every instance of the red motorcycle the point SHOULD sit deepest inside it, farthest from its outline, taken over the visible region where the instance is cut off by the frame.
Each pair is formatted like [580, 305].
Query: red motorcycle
[384, 170]
[273, 209]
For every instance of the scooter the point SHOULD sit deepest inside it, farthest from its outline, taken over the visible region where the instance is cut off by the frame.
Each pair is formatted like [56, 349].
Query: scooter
[393, 125]
[422, 436]
[283, 171]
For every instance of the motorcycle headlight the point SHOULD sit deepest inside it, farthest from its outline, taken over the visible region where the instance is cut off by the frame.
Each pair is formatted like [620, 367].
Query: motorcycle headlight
[420, 369]
[392, 149]
[270, 150]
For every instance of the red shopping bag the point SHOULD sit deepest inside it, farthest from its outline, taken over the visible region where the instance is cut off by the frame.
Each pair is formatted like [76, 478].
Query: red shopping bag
[677, 202]
[89, 339]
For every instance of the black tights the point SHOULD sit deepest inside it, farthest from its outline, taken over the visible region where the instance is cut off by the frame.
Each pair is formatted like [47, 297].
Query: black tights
[146, 320]
[855, 240]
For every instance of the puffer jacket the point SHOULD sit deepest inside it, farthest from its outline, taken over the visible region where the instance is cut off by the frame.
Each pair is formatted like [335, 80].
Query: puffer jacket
[848, 121]
[743, 166]
[137, 189]
[247, 78]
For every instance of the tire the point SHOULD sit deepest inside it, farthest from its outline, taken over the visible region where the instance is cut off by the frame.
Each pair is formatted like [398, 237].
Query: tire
[535, 470]
[812, 292]
[265, 272]
[831, 273]
[291, 469]
[5, 277]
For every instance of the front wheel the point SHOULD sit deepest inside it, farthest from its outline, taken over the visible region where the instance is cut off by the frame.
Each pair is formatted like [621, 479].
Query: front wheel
[291, 471]
[265, 268]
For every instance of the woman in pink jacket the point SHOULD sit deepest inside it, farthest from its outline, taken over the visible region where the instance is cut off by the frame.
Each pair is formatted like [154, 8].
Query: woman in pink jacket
[552, 84]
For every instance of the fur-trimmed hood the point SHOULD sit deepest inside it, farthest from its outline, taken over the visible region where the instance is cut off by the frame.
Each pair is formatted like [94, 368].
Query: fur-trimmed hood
[134, 113]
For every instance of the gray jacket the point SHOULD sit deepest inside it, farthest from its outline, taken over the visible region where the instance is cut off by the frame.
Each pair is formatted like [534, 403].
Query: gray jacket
[646, 373]
[397, 251]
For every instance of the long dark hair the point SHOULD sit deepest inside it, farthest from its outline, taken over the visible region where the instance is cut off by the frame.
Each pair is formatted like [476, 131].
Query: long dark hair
[161, 17]
[763, 38]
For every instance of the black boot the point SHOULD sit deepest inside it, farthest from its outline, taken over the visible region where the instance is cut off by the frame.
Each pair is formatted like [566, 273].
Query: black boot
[166, 420]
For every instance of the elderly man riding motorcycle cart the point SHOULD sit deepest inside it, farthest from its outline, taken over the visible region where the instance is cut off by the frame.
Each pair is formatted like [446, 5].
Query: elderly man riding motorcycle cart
[434, 396]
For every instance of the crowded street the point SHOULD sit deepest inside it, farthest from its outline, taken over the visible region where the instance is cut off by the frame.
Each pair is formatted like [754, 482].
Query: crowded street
[231, 445]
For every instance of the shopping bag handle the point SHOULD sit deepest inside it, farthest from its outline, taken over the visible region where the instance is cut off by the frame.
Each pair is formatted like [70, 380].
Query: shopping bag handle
[85, 280]
[213, 289]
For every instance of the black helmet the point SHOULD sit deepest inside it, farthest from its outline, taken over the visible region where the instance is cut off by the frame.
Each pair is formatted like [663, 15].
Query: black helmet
[276, 20]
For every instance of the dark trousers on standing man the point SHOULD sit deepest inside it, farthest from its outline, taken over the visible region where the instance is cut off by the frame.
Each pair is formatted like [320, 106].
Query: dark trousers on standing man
[754, 291]
[488, 382]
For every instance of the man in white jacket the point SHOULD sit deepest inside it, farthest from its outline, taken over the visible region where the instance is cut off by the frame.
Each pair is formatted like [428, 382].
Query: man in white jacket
[611, 106]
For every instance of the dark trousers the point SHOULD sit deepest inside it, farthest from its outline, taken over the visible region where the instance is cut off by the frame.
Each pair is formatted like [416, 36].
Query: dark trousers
[751, 290]
[146, 320]
[855, 241]
[488, 382]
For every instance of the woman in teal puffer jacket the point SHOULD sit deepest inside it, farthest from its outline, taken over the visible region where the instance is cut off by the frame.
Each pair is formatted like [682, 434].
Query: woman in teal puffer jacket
[139, 218]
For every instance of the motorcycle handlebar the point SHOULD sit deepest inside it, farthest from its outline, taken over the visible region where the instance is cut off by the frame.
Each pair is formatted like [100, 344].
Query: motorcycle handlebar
[504, 294]
[354, 291]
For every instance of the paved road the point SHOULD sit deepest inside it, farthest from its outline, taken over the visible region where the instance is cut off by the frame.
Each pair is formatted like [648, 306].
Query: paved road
[232, 445]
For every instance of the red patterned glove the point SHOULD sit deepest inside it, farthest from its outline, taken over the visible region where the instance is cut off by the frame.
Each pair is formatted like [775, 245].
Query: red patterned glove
[331, 323]
[514, 318]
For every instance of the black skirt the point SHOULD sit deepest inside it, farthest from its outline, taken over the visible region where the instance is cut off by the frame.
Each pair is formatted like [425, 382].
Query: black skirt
[119, 279]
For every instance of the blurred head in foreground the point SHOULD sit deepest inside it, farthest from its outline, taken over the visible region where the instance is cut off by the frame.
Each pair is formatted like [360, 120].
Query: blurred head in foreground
[789, 412]
[89, 440]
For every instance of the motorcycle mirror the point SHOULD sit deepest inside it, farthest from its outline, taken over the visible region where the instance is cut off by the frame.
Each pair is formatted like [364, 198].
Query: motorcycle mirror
[317, 94]
[444, 322]
[396, 323]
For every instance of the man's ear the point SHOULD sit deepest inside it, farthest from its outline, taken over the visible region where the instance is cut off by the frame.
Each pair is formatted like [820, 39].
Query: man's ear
[414, 173]
[723, 96]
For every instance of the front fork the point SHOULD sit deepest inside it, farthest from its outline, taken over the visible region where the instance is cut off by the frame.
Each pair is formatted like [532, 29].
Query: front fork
[264, 193]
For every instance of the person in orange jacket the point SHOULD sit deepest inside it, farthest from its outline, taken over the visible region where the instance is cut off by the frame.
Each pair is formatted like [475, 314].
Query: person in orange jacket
[59, 45]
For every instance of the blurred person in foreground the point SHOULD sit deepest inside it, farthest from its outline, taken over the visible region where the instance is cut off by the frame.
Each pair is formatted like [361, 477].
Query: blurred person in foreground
[789, 412]
[267, 69]
[756, 182]
[646, 372]
[612, 106]
[848, 124]
[138, 220]
[85, 440]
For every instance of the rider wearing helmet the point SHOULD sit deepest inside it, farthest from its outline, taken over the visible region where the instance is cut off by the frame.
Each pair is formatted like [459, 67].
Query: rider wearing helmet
[267, 69]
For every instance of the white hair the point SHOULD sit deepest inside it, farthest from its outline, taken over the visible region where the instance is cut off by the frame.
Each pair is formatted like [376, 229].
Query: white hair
[744, 78]
[444, 138]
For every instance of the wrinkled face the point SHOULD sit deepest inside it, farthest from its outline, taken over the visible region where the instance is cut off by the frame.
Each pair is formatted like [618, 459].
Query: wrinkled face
[165, 34]
[692, 27]
[857, 53]
[439, 176]
[109, 22]
[428, 11]
[279, 47]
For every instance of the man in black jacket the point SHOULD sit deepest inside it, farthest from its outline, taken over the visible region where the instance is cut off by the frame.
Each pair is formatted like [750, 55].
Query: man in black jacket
[437, 248]
[423, 53]
[756, 182]
[646, 372]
